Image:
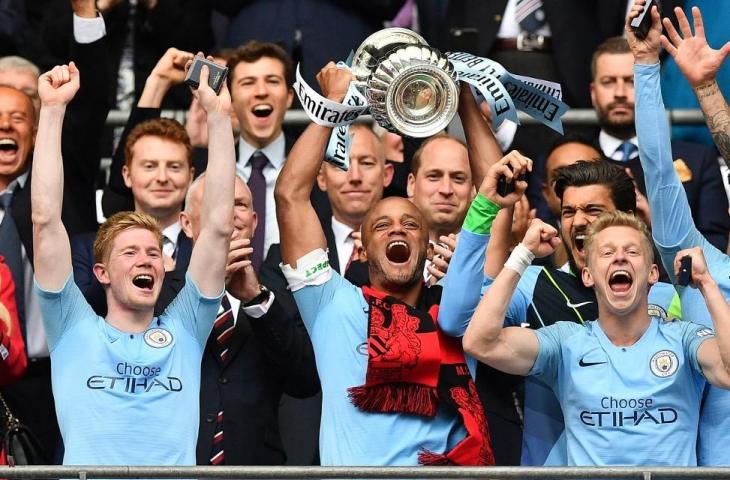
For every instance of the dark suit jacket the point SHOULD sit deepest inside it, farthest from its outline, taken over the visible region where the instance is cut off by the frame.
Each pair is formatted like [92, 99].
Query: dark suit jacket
[268, 356]
[82, 256]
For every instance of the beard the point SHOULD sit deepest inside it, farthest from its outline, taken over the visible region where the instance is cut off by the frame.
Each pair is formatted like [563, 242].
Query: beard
[624, 128]
[399, 278]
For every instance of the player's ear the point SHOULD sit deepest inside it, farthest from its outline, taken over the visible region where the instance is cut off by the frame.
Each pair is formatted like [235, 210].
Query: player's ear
[587, 277]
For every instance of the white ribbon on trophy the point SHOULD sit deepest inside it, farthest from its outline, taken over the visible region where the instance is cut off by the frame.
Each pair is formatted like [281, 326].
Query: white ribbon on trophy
[412, 90]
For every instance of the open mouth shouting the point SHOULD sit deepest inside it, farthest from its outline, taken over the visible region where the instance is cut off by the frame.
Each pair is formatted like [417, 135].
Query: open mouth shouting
[262, 111]
[620, 281]
[579, 241]
[398, 252]
[144, 281]
[8, 149]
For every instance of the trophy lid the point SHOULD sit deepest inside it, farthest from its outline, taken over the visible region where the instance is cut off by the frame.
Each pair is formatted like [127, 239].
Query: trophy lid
[378, 45]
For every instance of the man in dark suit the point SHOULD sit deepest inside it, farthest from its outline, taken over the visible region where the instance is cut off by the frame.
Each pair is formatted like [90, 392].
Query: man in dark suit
[31, 398]
[612, 95]
[254, 354]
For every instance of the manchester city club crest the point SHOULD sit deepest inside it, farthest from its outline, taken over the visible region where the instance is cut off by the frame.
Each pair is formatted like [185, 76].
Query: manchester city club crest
[157, 337]
[664, 363]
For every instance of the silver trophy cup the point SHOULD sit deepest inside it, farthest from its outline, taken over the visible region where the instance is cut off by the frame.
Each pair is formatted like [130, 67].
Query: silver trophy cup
[411, 87]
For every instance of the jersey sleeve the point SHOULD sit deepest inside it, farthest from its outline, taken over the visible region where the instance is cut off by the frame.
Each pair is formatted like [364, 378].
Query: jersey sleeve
[61, 310]
[193, 311]
[462, 292]
[521, 299]
[314, 284]
[549, 356]
[693, 336]
[671, 218]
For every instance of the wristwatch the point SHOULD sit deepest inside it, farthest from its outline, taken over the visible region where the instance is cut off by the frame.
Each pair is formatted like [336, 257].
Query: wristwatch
[262, 297]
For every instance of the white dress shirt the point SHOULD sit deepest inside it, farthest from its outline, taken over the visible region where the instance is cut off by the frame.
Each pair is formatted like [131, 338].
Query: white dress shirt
[253, 311]
[343, 243]
[169, 244]
[89, 30]
[276, 153]
[611, 146]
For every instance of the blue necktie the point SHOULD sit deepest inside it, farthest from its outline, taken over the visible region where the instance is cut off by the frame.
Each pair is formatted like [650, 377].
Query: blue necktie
[10, 248]
[529, 14]
[257, 185]
[627, 151]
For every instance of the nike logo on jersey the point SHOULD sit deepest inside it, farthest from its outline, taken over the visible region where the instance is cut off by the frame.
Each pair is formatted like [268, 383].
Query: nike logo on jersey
[588, 364]
[576, 305]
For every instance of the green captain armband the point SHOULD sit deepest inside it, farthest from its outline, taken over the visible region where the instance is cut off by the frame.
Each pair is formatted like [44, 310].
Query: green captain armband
[481, 215]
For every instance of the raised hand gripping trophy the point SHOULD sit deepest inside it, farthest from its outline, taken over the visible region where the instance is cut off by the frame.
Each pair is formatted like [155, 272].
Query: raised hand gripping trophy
[412, 89]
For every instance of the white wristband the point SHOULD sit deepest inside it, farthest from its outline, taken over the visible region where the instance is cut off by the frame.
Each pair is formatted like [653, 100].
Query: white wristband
[520, 259]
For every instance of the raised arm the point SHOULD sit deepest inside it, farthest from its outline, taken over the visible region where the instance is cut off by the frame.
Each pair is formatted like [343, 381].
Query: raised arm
[713, 355]
[671, 220]
[299, 227]
[483, 148]
[52, 252]
[462, 292]
[699, 63]
[210, 252]
[511, 349]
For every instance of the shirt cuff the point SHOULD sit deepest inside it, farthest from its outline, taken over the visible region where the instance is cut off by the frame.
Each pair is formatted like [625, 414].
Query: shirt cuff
[89, 30]
[259, 310]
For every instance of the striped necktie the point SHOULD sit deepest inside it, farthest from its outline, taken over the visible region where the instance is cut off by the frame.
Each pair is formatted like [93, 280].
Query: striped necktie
[222, 329]
[529, 14]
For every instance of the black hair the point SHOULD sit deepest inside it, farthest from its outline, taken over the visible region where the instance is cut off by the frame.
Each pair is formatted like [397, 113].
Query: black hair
[598, 172]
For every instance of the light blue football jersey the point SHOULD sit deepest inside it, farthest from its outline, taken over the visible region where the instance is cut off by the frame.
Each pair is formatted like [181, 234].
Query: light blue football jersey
[336, 316]
[121, 398]
[673, 230]
[634, 405]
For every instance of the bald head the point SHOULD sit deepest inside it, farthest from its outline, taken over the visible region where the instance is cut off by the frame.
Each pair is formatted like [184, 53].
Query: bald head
[244, 217]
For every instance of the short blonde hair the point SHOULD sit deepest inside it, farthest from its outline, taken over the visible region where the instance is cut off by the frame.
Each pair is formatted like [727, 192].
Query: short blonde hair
[118, 223]
[619, 219]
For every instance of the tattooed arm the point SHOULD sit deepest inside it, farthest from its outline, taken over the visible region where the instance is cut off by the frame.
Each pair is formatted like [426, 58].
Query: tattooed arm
[699, 63]
[717, 116]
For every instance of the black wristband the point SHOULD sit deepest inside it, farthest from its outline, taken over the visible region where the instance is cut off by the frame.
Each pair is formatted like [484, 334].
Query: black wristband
[262, 297]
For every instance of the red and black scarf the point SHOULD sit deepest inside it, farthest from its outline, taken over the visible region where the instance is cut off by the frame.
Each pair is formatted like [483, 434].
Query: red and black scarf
[412, 366]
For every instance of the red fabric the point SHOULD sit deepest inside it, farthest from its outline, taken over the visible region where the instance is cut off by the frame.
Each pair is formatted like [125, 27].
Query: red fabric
[412, 366]
[11, 338]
